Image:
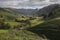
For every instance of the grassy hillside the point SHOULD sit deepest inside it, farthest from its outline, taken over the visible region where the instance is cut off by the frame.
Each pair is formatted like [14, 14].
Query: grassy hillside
[13, 27]
[7, 15]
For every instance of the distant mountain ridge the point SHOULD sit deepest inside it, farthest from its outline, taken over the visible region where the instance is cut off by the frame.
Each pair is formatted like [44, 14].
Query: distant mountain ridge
[26, 11]
[21, 11]
[47, 9]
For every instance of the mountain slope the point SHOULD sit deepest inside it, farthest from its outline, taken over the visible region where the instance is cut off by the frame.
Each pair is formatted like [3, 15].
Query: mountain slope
[49, 28]
[47, 9]
[6, 14]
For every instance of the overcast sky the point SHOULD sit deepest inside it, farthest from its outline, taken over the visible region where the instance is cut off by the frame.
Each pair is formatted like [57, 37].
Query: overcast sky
[27, 3]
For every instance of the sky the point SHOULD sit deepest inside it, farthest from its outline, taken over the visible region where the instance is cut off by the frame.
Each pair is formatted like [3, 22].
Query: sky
[27, 4]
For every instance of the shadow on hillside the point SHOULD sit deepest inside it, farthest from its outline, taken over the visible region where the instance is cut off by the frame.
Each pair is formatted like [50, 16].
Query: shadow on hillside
[49, 30]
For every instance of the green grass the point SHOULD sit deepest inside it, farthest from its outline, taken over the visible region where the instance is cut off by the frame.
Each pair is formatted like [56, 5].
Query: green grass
[18, 35]
[37, 21]
[3, 31]
[13, 23]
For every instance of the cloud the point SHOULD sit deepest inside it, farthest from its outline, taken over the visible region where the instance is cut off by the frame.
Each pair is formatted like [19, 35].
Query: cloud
[26, 3]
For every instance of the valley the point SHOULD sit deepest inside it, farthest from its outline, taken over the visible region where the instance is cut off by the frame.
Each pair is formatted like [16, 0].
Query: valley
[39, 26]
